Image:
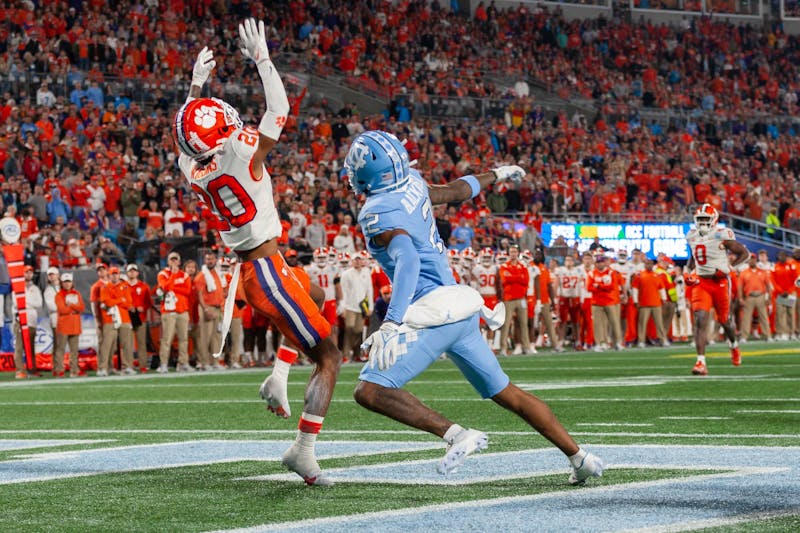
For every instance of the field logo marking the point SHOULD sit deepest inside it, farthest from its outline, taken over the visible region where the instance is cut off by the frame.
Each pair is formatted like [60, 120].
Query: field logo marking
[79, 463]
[757, 482]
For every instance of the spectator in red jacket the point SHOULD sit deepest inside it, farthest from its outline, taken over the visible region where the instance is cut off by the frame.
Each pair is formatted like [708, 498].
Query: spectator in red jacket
[175, 286]
[513, 280]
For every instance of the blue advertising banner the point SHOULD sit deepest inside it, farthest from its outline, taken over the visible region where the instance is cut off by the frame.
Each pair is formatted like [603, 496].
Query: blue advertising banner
[650, 238]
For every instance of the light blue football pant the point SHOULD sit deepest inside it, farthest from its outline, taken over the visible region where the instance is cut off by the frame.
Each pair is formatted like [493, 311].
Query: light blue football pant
[461, 341]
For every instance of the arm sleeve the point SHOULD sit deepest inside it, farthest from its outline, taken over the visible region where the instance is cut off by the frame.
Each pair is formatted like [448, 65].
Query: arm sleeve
[406, 274]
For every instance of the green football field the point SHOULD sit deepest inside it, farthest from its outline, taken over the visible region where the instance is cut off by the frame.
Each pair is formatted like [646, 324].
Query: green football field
[199, 452]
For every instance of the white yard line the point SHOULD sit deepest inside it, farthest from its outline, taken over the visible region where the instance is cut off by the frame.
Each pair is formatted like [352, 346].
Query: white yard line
[776, 411]
[613, 424]
[696, 417]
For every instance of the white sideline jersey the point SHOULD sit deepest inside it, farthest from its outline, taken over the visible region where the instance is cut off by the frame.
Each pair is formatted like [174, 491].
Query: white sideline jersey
[485, 279]
[227, 186]
[708, 252]
[570, 281]
[323, 276]
[533, 276]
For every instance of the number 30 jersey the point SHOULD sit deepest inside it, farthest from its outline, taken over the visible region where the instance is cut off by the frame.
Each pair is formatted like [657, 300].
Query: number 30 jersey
[708, 252]
[409, 209]
[227, 186]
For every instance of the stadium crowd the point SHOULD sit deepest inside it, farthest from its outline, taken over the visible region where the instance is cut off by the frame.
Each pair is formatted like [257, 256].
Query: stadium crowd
[701, 64]
[91, 175]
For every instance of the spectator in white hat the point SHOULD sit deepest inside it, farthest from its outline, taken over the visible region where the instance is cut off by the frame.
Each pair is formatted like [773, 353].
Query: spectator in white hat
[50, 291]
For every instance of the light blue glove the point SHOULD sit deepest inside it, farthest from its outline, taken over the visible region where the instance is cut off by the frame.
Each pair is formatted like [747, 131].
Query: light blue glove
[383, 346]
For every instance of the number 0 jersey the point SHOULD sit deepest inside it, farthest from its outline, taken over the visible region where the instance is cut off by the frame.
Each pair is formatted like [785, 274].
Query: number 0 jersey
[227, 186]
[708, 252]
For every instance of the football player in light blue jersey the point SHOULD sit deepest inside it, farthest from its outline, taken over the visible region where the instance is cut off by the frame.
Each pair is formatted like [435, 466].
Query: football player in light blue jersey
[429, 314]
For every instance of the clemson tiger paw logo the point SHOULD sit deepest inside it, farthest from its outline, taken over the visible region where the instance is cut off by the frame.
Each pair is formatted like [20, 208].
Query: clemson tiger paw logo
[206, 116]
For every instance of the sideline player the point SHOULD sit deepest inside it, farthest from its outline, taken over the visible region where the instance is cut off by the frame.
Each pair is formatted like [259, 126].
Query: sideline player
[224, 164]
[428, 313]
[569, 285]
[485, 277]
[711, 287]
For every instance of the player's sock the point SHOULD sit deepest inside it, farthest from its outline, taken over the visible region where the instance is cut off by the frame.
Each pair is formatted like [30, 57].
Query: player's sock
[309, 427]
[733, 344]
[284, 359]
[451, 433]
[701, 358]
[300, 456]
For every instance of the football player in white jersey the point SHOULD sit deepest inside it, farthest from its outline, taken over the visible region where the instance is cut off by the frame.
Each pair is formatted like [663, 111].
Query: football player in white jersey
[467, 263]
[223, 162]
[484, 276]
[569, 281]
[710, 245]
[325, 275]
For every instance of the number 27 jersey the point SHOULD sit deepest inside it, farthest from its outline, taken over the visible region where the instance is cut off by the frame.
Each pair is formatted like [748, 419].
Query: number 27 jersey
[708, 252]
[227, 186]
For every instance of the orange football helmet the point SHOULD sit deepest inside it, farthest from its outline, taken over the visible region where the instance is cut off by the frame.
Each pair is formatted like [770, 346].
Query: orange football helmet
[202, 125]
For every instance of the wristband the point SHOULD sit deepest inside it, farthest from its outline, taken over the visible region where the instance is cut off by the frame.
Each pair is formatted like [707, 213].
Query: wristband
[473, 183]
[271, 125]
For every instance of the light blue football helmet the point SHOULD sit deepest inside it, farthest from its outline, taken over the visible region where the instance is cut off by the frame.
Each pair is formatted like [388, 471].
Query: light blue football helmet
[376, 162]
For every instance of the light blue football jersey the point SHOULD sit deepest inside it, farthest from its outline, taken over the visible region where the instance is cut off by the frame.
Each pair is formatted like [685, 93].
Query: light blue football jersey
[408, 209]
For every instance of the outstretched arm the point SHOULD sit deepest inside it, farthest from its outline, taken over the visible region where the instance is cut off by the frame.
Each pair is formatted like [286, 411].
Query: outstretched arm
[254, 46]
[470, 186]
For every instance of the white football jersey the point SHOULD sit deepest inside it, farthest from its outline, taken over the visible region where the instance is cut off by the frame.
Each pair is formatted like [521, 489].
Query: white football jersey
[323, 276]
[570, 281]
[465, 275]
[533, 276]
[624, 270]
[708, 252]
[485, 278]
[227, 186]
[586, 294]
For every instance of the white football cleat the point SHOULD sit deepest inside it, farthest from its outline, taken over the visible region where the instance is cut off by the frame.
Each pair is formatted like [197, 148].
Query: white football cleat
[466, 443]
[590, 466]
[273, 391]
[301, 461]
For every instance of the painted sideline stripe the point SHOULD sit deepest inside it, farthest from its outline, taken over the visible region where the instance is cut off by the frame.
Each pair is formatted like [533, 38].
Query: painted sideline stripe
[393, 432]
[692, 525]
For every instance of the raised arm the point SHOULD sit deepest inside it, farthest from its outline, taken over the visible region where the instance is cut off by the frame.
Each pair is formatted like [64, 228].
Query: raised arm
[467, 187]
[203, 66]
[254, 46]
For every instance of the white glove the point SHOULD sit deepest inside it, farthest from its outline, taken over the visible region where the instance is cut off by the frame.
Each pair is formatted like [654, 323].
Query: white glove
[203, 66]
[254, 40]
[382, 345]
[512, 173]
[537, 308]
